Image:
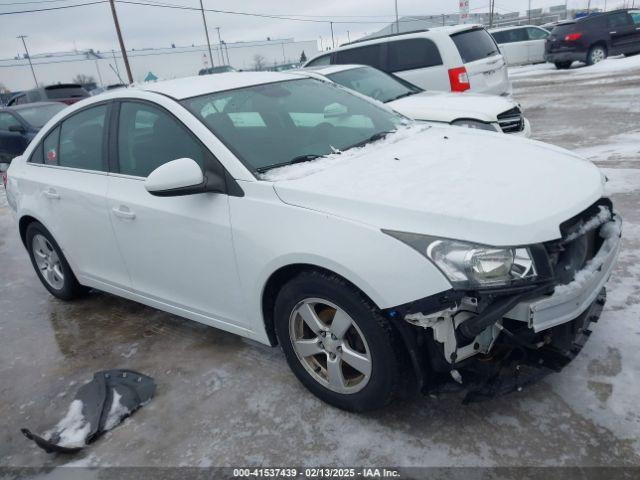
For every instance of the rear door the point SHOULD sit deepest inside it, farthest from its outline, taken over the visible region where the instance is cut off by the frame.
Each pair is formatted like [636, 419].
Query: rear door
[622, 31]
[537, 38]
[513, 45]
[12, 143]
[481, 57]
[69, 173]
[418, 61]
[635, 18]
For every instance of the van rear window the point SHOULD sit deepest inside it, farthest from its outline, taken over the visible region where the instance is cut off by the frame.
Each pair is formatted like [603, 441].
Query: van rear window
[475, 44]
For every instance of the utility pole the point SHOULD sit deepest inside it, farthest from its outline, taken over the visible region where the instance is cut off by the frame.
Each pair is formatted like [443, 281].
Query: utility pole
[33, 72]
[348, 37]
[333, 42]
[206, 32]
[492, 6]
[397, 21]
[529, 12]
[220, 47]
[122, 49]
[588, 7]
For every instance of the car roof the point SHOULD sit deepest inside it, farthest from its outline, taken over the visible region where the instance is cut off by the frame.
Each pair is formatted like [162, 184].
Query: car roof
[511, 27]
[188, 87]
[23, 106]
[329, 69]
[446, 30]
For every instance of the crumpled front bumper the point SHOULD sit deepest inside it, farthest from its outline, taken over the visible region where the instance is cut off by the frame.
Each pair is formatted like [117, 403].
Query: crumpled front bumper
[569, 301]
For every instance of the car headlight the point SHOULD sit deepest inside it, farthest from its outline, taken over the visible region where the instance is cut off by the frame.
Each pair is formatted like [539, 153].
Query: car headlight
[470, 265]
[477, 124]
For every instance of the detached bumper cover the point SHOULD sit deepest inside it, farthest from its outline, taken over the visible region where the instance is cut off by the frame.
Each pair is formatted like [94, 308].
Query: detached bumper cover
[569, 301]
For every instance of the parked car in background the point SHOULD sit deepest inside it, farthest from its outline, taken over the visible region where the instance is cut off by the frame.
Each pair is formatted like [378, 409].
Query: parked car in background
[5, 97]
[473, 110]
[383, 255]
[68, 93]
[521, 45]
[19, 124]
[593, 38]
[451, 59]
[99, 90]
[213, 70]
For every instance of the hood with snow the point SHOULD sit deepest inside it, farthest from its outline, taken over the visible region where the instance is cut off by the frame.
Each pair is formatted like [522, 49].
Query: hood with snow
[448, 182]
[447, 107]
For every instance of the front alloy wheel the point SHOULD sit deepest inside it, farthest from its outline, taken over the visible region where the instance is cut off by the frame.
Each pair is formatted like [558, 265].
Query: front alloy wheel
[338, 343]
[330, 345]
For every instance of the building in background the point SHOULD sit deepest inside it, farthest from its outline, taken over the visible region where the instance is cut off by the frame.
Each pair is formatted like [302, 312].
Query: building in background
[107, 68]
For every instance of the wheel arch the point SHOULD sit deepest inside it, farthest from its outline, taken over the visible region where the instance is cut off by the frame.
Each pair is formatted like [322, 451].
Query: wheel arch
[279, 278]
[24, 223]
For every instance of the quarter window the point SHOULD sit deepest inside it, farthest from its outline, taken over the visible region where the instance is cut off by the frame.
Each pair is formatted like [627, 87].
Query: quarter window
[635, 16]
[370, 55]
[81, 139]
[149, 137]
[50, 147]
[411, 54]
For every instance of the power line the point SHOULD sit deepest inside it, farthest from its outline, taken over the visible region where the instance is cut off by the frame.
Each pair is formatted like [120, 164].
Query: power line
[61, 7]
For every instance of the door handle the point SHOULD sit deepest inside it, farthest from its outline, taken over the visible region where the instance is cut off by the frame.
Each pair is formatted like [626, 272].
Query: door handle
[51, 193]
[123, 212]
[611, 33]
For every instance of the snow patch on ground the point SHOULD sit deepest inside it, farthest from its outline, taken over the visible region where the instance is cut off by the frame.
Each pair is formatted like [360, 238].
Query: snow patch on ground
[609, 66]
[621, 180]
[72, 429]
[117, 411]
[618, 147]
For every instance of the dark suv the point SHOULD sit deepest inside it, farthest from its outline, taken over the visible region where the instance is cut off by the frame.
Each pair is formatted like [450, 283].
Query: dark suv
[591, 39]
[64, 92]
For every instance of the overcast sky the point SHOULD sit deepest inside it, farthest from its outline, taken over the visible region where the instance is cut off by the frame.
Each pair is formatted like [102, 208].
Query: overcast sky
[143, 26]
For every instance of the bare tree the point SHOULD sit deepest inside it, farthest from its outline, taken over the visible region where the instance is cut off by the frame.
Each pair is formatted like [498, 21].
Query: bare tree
[83, 79]
[259, 62]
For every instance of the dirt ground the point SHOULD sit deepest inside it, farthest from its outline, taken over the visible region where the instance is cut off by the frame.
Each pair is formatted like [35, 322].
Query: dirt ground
[222, 400]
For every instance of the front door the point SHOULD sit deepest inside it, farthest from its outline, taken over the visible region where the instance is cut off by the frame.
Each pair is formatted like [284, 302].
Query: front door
[178, 250]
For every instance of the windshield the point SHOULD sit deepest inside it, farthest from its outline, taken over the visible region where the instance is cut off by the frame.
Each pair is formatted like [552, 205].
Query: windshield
[37, 116]
[374, 83]
[275, 124]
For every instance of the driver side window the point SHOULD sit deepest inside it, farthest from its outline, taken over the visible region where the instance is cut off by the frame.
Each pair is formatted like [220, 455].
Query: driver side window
[149, 137]
[7, 120]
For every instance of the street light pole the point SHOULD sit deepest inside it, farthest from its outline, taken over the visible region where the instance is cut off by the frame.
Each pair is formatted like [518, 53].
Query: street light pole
[22, 37]
[119, 33]
[220, 47]
[397, 21]
[333, 42]
[206, 32]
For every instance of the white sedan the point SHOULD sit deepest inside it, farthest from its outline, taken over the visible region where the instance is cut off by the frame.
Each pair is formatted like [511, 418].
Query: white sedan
[380, 253]
[472, 110]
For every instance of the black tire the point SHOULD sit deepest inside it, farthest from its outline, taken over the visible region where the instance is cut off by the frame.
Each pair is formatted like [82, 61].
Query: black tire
[563, 65]
[384, 346]
[593, 57]
[70, 288]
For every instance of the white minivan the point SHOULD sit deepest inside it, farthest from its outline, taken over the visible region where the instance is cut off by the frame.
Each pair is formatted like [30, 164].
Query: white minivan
[456, 59]
[381, 254]
[521, 45]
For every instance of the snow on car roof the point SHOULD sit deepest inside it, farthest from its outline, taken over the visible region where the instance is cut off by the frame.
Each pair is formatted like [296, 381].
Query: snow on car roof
[187, 87]
[329, 69]
[510, 27]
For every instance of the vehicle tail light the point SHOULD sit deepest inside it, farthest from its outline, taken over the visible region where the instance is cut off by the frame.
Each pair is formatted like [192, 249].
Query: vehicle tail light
[572, 37]
[459, 79]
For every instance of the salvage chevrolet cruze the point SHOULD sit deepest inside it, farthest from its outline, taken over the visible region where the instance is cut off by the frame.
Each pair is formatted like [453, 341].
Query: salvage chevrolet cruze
[380, 254]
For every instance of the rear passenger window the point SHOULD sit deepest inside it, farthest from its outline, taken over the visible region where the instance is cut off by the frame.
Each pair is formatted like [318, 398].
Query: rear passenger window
[618, 20]
[81, 139]
[370, 55]
[50, 147]
[149, 137]
[511, 36]
[635, 16]
[323, 60]
[411, 54]
[36, 156]
[475, 45]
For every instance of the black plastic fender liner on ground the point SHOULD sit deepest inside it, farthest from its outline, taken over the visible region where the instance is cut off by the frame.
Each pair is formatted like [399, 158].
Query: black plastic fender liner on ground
[98, 406]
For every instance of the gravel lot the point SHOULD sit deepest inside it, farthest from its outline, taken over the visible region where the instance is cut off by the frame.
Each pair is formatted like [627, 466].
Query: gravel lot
[222, 400]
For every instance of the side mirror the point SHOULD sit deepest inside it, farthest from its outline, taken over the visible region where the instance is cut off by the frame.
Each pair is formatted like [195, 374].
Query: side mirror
[17, 128]
[182, 177]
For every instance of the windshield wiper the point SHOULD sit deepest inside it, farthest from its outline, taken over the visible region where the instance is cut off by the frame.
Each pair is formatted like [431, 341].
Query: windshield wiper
[299, 159]
[372, 138]
[402, 95]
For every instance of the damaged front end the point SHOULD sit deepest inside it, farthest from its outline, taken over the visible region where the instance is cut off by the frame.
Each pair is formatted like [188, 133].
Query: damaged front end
[494, 339]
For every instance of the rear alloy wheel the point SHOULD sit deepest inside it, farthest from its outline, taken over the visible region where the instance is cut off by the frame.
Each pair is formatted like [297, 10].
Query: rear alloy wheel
[50, 265]
[337, 343]
[596, 55]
